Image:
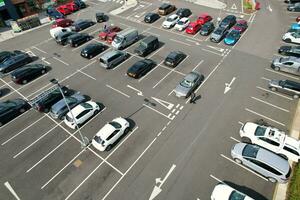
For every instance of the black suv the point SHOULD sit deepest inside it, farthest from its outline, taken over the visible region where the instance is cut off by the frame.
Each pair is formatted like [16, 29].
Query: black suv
[147, 45]
[82, 24]
[174, 58]
[78, 39]
[10, 109]
[15, 61]
[183, 12]
[63, 37]
[151, 17]
[286, 86]
[48, 98]
[228, 22]
[289, 51]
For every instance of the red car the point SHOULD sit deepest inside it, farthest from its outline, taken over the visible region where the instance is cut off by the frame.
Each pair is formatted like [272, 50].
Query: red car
[110, 37]
[298, 19]
[72, 6]
[241, 25]
[63, 9]
[62, 23]
[110, 29]
[203, 18]
[193, 28]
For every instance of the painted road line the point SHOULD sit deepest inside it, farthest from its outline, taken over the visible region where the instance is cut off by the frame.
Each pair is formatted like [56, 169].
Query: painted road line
[30, 95]
[236, 140]
[119, 65]
[148, 73]
[118, 91]
[244, 167]
[265, 102]
[13, 89]
[211, 52]
[87, 74]
[158, 112]
[178, 72]
[8, 186]
[180, 42]
[171, 92]
[33, 47]
[198, 65]
[268, 118]
[280, 73]
[61, 61]
[264, 78]
[241, 123]
[156, 52]
[283, 96]
[218, 180]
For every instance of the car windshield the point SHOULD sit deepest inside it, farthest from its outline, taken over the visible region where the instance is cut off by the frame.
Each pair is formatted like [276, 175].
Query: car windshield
[260, 131]
[186, 83]
[283, 59]
[219, 31]
[98, 139]
[170, 19]
[7, 105]
[236, 196]
[118, 39]
[69, 118]
[86, 106]
[116, 125]
[181, 22]
[250, 151]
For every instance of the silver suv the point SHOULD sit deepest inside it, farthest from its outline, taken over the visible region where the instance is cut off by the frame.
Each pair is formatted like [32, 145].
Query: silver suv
[266, 163]
[286, 86]
[287, 64]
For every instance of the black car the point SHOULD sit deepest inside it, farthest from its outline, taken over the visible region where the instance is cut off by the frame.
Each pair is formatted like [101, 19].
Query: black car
[101, 17]
[17, 60]
[53, 13]
[82, 24]
[4, 55]
[147, 45]
[80, 4]
[28, 73]
[92, 50]
[207, 28]
[151, 17]
[78, 39]
[174, 58]
[62, 38]
[183, 12]
[10, 109]
[140, 68]
[289, 51]
[228, 22]
[295, 7]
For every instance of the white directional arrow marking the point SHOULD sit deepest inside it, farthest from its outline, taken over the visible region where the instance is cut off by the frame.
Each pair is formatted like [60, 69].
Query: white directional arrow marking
[233, 7]
[139, 92]
[164, 103]
[157, 189]
[216, 48]
[227, 85]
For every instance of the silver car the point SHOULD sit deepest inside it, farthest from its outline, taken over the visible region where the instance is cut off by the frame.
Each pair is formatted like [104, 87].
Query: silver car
[190, 82]
[266, 163]
[60, 109]
[218, 34]
[287, 64]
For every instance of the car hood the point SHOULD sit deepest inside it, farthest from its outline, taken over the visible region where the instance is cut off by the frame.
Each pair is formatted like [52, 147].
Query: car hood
[216, 36]
[140, 48]
[229, 40]
[182, 90]
[249, 127]
[221, 191]
[167, 23]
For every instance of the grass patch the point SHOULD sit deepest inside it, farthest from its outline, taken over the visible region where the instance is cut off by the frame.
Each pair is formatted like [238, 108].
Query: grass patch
[293, 192]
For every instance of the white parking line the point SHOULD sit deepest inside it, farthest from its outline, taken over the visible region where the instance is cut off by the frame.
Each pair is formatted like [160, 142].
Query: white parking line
[180, 42]
[216, 178]
[158, 112]
[244, 167]
[280, 73]
[264, 78]
[118, 91]
[283, 96]
[171, 92]
[278, 107]
[60, 61]
[150, 71]
[12, 191]
[178, 72]
[156, 52]
[253, 112]
[87, 74]
[39, 49]
[234, 139]
[241, 123]
[119, 65]
[211, 52]
[198, 65]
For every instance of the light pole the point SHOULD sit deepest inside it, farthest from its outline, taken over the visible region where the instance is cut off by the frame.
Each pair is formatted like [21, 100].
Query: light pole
[84, 140]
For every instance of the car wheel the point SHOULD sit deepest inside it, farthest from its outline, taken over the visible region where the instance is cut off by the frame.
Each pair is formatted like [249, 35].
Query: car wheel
[1, 124]
[24, 81]
[273, 89]
[296, 96]
[91, 56]
[277, 69]
[272, 180]
[46, 110]
[109, 147]
[75, 45]
[126, 130]
[238, 161]
[288, 40]
[246, 140]
[43, 71]
[22, 110]
[96, 112]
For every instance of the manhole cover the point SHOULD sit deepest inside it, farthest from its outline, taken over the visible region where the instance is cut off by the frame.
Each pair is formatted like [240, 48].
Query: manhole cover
[77, 163]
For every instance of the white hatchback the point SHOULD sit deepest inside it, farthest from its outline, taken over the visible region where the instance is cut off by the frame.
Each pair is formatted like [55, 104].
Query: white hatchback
[54, 32]
[225, 192]
[110, 133]
[81, 113]
[182, 24]
[170, 21]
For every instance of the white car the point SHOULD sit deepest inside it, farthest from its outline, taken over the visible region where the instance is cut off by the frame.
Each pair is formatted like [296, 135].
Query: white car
[272, 139]
[170, 21]
[110, 133]
[225, 192]
[57, 30]
[182, 24]
[293, 37]
[81, 113]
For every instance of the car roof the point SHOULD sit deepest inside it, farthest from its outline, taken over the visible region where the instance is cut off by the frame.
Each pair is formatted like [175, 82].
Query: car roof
[292, 58]
[164, 5]
[184, 19]
[110, 53]
[173, 16]
[241, 21]
[106, 131]
[191, 76]
[193, 24]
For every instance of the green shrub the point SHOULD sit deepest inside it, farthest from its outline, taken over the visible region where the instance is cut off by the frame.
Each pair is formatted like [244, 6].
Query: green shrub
[294, 186]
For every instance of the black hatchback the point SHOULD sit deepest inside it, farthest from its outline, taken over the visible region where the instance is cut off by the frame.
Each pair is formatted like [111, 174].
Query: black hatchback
[92, 50]
[10, 109]
[28, 73]
[62, 38]
[174, 58]
[140, 68]
[228, 22]
[289, 51]
[183, 12]
[78, 39]
[13, 62]
[151, 17]
[207, 28]
[82, 24]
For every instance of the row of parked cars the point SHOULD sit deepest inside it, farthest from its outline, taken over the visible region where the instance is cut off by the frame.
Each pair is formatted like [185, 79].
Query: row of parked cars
[61, 11]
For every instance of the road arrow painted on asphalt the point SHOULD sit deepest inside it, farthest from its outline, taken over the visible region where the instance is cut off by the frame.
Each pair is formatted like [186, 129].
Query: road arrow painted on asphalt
[157, 189]
[233, 7]
[164, 103]
[227, 85]
[139, 93]
[216, 48]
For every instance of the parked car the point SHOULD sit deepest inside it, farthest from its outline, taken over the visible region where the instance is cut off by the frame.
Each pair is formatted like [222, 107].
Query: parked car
[188, 85]
[289, 51]
[62, 23]
[193, 28]
[293, 37]
[170, 21]
[225, 192]
[272, 139]
[287, 64]
[7, 54]
[207, 28]
[109, 134]
[183, 12]
[72, 6]
[28, 73]
[285, 86]
[63, 9]
[294, 27]
[147, 45]
[125, 38]
[174, 58]
[112, 58]
[291, 1]
[295, 7]
[228, 22]
[78, 39]
[92, 50]
[10, 109]
[110, 29]
[203, 18]
[166, 8]
[151, 17]
[241, 25]
[82, 24]
[80, 4]
[54, 14]
[218, 34]
[19, 59]
[232, 37]
[62, 38]
[264, 162]
[101, 17]
[54, 32]
[140, 68]
[60, 109]
[182, 24]
[82, 113]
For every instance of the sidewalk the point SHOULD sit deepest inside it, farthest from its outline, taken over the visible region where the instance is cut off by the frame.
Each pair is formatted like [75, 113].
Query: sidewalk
[281, 189]
[127, 5]
[211, 3]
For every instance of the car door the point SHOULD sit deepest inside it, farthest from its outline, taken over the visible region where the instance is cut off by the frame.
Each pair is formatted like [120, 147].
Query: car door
[269, 144]
[287, 66]
[116, 134]
[84, 116]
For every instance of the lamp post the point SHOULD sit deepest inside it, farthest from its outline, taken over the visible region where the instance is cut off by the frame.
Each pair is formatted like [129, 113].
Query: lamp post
[84, 140]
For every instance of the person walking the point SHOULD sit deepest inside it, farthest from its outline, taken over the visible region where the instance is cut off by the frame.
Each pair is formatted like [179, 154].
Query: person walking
[193, 98]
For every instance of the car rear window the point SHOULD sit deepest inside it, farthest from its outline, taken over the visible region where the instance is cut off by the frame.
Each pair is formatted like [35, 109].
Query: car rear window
[250, 151]
[102, 61]
[260, 131]
[236, 196]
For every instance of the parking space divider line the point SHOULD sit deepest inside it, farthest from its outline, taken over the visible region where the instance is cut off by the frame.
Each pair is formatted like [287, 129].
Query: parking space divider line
[241, 123]
[33, 47]
[158, 112]
[118, 91]
[234, 139]
[264, 78]
[265, 102]
[286, 97]
[87, 74]
[150, 72]
[268, 118]
[178, 72]
[276, 72]
[60, 61]
[216, 178]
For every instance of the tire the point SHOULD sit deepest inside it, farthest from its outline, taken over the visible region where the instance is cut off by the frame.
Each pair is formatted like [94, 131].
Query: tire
[24, 81]
[96, 112]
[296, 96]
[46, 110]
[90, 56]
[238, 161]
[272, 180]
[277, 69]
[273, 89]
[22, 110]
[246, 140]
[109, 147]
[1, 124]
[288, 40]
[126, 130]
[75, 45]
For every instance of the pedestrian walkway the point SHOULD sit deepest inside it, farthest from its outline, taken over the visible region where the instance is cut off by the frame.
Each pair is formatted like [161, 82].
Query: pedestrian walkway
[127, 5]
[211, 3]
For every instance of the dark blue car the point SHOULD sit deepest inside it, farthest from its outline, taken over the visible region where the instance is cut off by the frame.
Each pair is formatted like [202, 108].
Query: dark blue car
[53, 13]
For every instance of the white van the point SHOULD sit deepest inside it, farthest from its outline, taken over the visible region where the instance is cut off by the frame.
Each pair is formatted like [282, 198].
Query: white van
[125, 38]
[57, 30]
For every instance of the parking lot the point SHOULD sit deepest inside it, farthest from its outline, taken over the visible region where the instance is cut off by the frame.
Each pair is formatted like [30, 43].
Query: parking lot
[43, 158]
